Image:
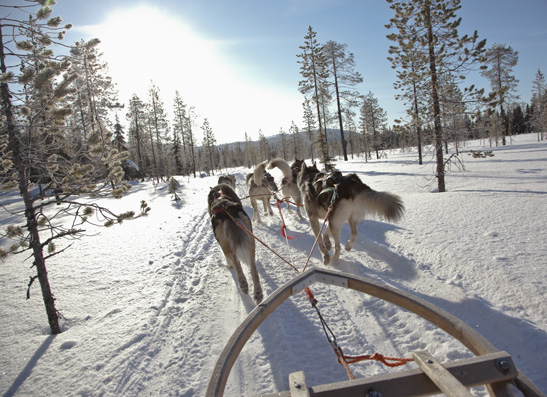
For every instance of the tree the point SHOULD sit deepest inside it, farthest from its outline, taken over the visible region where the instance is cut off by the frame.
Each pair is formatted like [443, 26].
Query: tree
[209, 142]
[314, 71]
[158, 126]
[34, 148]
[373, 120]
[342, 71]
[539, 105]
[435, 32]
[410, 61]
[501, 60]
[119, 139]
[297, 143]
[136, 117]
[309, 122]
[95, 92]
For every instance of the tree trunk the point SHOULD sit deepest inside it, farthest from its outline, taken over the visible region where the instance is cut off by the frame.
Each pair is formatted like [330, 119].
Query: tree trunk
[343, 140]
[32, 224]
[438, 132]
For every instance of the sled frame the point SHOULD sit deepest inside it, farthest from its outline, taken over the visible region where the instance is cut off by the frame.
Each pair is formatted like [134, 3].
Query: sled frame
[469, 337]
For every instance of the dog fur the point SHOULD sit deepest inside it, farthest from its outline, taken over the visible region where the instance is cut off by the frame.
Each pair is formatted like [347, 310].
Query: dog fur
[261, 190]
[228, 179]
[236, 244]
[289, 185]
[355, 200]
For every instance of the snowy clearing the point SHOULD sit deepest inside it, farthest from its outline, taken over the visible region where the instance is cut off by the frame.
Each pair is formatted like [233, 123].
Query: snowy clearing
[150, 304]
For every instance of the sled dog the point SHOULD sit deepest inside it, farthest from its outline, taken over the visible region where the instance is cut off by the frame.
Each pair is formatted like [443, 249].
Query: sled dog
[353, 200]
[289, 185]
[228, 179]
[238, 246]
[261, 190]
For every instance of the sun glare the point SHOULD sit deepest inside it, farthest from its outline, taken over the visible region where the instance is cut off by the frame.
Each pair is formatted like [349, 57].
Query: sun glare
[145, 44]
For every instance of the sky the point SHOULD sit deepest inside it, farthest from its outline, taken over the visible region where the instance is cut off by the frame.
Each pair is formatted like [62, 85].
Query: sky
[235, 61]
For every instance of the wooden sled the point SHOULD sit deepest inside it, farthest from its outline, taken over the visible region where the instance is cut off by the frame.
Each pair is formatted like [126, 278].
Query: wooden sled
[490, 367]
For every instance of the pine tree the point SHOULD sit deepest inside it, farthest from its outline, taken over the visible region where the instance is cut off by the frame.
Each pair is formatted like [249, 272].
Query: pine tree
[190, 139]
[314, 70]
[284, 148]
[309, 122]
[297, 143]
[34, 128]
[119, 139]
[136, 117]
[435, 34]
[538, 110]
[342, 66]
[95, 92]
[501, 60]
[209, 143]
[158, 125]
[411, 63]
[373, 120]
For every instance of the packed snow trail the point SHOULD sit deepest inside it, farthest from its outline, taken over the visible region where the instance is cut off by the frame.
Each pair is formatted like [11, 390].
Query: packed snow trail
[150, 304]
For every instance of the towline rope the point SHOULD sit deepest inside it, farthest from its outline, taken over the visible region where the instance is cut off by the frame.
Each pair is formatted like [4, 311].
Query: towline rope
[342, 358]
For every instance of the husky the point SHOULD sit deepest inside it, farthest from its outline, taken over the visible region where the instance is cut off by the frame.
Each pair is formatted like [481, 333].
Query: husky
[261, 190]
[289, 185]
[351, 201]
[225, 209]
[228, 179]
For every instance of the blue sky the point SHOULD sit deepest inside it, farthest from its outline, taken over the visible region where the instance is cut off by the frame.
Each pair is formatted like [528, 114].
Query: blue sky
[235, 61]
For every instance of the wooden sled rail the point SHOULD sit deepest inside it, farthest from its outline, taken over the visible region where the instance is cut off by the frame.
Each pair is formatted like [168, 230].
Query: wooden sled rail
[470, 338]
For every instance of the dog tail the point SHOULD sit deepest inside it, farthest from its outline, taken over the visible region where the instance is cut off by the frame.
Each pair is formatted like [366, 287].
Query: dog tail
[258, 173]
[382, 204]
[283, 166]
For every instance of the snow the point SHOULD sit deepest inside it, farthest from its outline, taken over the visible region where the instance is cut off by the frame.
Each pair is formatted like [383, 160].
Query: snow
[150, 304]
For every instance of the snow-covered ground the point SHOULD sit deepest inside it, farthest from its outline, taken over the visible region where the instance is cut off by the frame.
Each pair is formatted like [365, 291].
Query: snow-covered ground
[149, 304]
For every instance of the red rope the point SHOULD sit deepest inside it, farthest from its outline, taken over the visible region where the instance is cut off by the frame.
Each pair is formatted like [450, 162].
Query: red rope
[260, 241]
[397, 361]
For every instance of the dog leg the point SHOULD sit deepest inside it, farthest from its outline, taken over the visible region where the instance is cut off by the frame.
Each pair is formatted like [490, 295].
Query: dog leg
[256, 214]
[257, 295]
[335, 232]
[326, 240]
[354, 233]
[267, 207]
[316, 228]
[243, 285]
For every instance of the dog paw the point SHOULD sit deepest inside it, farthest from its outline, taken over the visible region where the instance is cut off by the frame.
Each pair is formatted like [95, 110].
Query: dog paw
[258, 296]
[244, 286]
[348, 246]
[326, 259]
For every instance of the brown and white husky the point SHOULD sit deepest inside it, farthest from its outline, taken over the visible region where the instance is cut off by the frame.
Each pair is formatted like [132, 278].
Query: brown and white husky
[353, 201]
[238, 246]
[261, 185]
[289, 185]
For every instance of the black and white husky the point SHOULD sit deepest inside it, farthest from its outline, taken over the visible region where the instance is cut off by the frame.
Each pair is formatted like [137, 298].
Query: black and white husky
[238, 246]
[289, 185]
[261, 185]
[353, 201]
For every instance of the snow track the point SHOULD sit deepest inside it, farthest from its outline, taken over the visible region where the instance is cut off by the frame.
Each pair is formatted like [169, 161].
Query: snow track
[150, 304]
